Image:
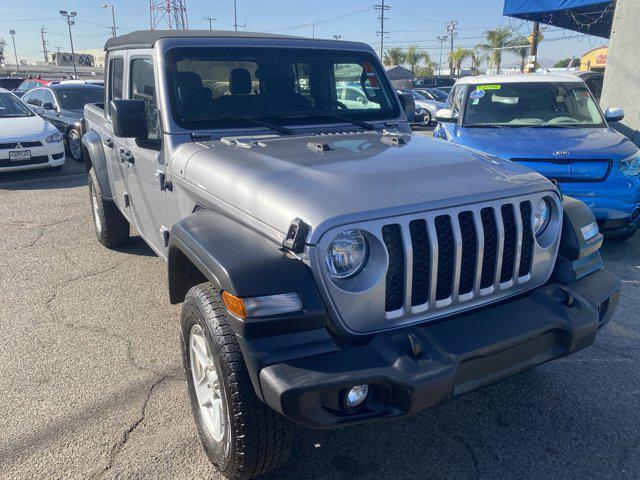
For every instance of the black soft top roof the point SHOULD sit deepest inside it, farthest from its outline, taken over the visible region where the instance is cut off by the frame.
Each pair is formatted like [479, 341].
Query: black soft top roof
[147, 38]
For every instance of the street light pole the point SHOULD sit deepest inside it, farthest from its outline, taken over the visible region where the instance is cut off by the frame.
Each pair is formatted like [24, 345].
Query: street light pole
[68, 16]
[113, 18]
[313, 28]
[441, 39]
[13, 38]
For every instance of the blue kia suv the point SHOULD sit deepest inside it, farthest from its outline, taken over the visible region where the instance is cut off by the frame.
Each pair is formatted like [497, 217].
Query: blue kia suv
[551, 123]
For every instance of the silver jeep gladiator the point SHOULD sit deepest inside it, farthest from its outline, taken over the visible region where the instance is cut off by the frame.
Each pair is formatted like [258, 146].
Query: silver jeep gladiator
[333, 268]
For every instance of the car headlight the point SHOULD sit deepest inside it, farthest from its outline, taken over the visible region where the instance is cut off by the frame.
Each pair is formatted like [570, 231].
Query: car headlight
[347, 254]
[630, 166]
[53, 138]
[541, 216]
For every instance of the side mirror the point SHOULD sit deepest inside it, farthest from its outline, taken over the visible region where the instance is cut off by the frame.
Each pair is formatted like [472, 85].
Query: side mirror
[129, 118]
[614, 114]
[37, 110]
[446, 115]
[408, 105]
[48, 106]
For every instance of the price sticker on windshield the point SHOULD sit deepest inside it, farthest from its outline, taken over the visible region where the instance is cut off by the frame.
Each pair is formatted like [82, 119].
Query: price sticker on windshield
[488, 87]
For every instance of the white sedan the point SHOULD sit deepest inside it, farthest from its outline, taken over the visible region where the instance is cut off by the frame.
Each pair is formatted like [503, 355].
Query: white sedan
[26, 140]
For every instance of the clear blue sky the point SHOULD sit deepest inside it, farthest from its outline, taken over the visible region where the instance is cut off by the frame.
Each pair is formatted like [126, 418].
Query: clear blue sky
[409, 21]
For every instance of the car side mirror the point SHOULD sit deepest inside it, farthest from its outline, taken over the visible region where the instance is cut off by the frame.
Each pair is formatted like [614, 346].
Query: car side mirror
[129, 118]
[408, 105]
[48, 106]
[446, 115]
[37, 110]
[614, 114]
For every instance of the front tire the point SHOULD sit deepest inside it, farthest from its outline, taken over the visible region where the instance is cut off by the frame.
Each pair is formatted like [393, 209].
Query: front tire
[74, 144]
[242, 436]
[427, 118]
[112, 228]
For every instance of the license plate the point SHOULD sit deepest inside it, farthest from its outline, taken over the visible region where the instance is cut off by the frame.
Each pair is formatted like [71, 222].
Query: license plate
[20, 156]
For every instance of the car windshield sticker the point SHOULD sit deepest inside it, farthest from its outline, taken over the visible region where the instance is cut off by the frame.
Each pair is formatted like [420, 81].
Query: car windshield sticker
[476, 94]
[488, 87]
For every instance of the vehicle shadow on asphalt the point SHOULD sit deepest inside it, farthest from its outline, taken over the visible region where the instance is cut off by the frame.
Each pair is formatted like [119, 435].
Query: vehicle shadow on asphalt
[136, 246]
[72, 175]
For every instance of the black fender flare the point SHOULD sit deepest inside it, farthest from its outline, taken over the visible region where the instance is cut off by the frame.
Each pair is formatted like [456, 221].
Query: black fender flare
[94, 156]
[239, 260]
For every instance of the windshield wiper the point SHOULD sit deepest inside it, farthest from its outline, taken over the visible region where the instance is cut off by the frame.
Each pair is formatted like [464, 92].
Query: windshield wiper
[483, 125]
[337, 116]
[248, 118]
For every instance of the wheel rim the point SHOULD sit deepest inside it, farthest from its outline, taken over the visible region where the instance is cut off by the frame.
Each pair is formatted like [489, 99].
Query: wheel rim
[74, 144]
[96, 212]
[206, 382]
[427, 117]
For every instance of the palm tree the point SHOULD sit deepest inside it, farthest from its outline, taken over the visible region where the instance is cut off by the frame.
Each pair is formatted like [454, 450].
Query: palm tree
[394, 56]
[522, 49]
[457, 57]
[414, 56]
[497, 40]
[477, 57]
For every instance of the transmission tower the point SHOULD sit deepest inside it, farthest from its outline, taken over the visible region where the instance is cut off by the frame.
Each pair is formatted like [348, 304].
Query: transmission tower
[171, 14]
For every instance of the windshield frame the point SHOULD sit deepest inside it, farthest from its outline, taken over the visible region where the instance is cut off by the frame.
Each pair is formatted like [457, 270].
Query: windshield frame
[473, 87]
[28, 111]
[173, 52]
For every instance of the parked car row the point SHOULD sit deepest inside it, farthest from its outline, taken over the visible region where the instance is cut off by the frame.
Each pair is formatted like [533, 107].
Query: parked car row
[35, 129]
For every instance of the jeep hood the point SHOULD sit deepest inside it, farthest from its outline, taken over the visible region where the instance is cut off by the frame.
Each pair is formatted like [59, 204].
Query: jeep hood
[357, 176]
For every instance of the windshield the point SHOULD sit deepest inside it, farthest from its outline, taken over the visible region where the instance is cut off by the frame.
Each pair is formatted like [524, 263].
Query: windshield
[216, 88]
[537, 104]
[11, 107]
[76, 98]
[439, 94]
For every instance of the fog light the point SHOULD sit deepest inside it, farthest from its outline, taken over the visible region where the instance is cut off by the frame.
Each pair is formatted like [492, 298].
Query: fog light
[356, 395]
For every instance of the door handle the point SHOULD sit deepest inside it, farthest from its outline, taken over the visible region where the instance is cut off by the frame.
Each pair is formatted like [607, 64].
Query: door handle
[126, 156]
[108, 142]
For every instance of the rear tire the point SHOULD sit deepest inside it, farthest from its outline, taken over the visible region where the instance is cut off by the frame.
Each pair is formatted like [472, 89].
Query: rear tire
[427, 118]
[254, 438]
[74, 144]
[112, 228]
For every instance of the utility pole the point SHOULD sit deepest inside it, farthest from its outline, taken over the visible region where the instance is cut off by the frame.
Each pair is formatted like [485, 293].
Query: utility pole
[441, 39]
[451, 30]
[68, 18]
[210, 19]
[382, 8]
[44, 44]
[13, 38]
[534, 39]
[235, 17]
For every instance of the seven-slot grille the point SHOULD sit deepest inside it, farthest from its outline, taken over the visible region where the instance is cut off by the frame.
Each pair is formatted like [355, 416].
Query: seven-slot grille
[456, 257]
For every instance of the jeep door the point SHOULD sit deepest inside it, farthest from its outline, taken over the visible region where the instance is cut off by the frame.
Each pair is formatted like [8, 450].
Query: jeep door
[147, 165]
[110, 143]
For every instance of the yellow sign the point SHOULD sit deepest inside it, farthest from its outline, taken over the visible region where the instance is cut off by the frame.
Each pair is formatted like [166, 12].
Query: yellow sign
[530, 38]
[488, 87]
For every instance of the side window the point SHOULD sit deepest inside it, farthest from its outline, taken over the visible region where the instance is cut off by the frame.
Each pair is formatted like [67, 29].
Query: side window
[116, 80]
[143, 88]
[33, 98]
[454, 102]
[48, 101]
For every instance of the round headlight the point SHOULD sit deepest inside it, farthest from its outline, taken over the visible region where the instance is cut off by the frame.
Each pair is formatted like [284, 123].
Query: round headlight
[541, 216]
[347, 254]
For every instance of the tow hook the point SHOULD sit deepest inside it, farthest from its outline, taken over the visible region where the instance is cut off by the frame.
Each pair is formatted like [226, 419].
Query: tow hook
[568, 299]
[415, 347]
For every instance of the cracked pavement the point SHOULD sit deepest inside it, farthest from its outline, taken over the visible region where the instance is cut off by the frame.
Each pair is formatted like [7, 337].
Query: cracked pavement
[91, 381]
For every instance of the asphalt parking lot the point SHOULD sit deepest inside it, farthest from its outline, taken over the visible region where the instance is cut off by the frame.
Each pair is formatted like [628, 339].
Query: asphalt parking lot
[91, 383]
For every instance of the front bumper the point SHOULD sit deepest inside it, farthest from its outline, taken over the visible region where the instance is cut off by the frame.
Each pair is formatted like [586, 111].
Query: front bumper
[46, 156]
[458, 355]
